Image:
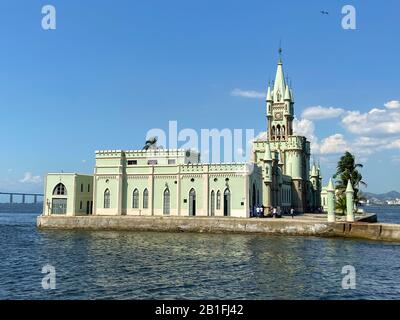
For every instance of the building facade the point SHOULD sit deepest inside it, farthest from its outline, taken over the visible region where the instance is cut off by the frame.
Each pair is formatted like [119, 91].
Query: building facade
[158, 182]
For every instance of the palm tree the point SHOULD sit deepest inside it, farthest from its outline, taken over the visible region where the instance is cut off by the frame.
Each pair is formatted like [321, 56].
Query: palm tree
[347, 170]
[341, 205]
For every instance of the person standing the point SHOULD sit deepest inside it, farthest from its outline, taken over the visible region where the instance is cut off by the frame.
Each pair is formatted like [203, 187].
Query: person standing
[274, 212]
[292, 212]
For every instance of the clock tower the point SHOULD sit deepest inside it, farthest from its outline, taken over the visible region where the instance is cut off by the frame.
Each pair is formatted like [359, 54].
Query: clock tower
[284, 157]
[280, 107]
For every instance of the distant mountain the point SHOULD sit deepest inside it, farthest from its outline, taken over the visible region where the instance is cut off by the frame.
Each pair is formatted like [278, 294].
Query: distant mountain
[391, 195]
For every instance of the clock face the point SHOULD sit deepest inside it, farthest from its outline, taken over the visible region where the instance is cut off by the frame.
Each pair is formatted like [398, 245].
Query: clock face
[278, 116]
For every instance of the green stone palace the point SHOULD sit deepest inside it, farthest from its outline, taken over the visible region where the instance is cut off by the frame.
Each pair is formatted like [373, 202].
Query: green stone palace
[173, 182]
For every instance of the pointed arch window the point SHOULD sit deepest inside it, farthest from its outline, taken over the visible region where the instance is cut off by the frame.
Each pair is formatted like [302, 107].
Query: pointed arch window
[60, 189]
[278, 131]
[135, 199]
[212, 199]
[145, 199]
[107, 199]
[218, 200]
[166, 202]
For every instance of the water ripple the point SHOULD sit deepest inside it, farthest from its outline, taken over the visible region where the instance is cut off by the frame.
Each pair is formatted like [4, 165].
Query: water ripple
[149, 265]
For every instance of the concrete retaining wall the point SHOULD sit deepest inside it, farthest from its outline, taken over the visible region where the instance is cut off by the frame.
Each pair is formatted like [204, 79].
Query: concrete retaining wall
[189, 224]
[375, 231]
[372, 231]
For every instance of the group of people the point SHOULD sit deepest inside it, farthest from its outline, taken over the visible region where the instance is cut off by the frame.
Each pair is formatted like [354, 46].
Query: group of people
[274, 212]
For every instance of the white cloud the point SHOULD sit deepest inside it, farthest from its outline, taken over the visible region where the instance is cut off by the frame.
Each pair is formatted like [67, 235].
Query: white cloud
[334, 144]
[261, 136]
[330, 145]
[247, 94]
[377, 130]
[395, 159]
[30, 178]
[306, 128]
[393, 144]
[394, 104]
[364, 142]
[375, 122]
[319, 112]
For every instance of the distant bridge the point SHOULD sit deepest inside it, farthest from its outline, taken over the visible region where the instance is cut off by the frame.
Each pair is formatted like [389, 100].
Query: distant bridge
[23, 195]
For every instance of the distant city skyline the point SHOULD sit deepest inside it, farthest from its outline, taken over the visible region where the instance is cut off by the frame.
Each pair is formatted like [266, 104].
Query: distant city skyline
[112, 71]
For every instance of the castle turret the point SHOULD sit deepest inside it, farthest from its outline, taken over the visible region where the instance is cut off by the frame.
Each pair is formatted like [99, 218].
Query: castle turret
[349, 202]
[331, 201]
[314, 177]
[314, 187]
[267, 158]
[269, 101]
[287, 94]
[269, 96]
[314, 173]
[267, 175]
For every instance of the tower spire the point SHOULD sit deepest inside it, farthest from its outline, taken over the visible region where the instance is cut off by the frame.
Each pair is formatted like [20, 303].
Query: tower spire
[279, 85]
[280, 105]
[280, 51]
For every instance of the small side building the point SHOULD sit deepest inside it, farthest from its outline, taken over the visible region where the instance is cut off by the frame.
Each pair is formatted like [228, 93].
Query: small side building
[68, 194]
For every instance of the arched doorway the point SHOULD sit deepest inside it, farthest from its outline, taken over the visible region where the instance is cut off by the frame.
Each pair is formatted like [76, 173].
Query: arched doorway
[227, 203]
[192, 202]
[253, 201]
[59, 204]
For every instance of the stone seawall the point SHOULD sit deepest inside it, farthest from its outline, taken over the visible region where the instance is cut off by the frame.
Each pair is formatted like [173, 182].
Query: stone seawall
[373, 231]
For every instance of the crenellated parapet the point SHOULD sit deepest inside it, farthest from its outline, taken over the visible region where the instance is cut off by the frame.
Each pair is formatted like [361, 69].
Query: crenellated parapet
[215, 168]
[109, 153]
[157, 153]
[297, 143]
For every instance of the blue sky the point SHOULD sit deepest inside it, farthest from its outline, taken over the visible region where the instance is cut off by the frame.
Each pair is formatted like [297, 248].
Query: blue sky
[112, 70]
